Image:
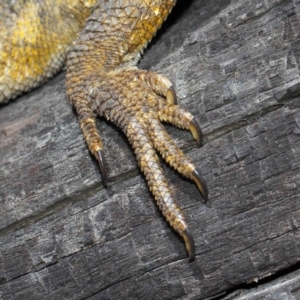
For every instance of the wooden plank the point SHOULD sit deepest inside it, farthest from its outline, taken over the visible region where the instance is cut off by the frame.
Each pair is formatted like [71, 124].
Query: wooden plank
[235, 65]
[284, 287]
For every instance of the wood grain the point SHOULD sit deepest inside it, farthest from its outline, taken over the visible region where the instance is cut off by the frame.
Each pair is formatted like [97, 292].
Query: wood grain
[235, 65]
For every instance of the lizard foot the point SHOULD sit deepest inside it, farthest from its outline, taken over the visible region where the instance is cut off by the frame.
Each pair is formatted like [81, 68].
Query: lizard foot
[137, 101]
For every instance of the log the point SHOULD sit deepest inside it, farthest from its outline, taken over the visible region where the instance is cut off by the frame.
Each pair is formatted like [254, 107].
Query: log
[235, 65]
[285, 286]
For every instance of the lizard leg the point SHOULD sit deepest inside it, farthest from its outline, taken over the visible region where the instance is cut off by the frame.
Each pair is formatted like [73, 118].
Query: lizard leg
[101, 68]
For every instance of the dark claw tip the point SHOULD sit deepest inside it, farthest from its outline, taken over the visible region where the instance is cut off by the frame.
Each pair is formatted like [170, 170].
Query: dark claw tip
[197, 177]
[189, 244]
[102, 168]
[196, 132]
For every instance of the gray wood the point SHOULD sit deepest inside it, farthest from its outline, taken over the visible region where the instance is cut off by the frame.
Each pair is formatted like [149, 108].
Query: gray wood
[282, 288]
[235, 65]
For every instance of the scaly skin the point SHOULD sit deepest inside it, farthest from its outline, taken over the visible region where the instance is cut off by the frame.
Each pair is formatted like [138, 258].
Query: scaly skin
[34, 39]
[102, 79]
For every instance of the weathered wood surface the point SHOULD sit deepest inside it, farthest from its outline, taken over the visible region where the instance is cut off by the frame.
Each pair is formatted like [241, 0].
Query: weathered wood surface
[235, 65]
[285, 287]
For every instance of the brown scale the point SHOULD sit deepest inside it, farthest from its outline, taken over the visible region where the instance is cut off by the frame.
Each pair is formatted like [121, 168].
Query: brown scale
[102, 79]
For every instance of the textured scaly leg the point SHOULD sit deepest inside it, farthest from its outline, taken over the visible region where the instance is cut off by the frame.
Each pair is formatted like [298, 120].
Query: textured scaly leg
[102, 79]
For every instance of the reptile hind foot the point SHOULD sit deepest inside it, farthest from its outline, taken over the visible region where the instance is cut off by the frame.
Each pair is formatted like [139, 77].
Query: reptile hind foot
[133, 99]
[102, 80]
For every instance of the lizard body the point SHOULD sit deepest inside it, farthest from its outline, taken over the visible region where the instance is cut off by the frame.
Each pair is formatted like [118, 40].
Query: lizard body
[34, 39]
[102, 79]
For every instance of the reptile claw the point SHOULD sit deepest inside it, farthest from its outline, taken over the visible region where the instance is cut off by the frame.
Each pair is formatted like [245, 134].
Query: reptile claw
[189, 244]
[197, 177]
[102, 168]
[171, 96]
[196, 132]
